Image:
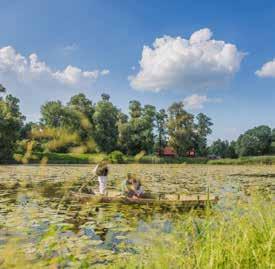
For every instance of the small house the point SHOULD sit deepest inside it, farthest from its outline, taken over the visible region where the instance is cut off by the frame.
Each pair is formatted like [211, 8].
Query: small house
[191, 153]
[168, 152]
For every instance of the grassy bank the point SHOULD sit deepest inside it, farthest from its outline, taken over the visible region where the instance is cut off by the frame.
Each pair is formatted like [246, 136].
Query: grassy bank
[77, 158]
[70, 158]
[255, 160]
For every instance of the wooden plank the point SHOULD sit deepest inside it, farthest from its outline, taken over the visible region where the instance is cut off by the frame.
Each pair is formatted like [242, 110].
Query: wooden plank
[184, 201]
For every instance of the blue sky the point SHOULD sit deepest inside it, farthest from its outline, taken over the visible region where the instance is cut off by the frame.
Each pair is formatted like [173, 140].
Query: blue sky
[102, 44]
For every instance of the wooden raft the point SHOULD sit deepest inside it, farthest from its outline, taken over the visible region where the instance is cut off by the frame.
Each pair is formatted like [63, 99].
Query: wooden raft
[184, 201]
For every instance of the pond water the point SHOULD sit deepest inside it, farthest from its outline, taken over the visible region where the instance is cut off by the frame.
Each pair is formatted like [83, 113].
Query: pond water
[36, 203]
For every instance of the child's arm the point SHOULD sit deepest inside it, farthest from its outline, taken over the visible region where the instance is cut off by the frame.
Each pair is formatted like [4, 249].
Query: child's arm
[95, 170]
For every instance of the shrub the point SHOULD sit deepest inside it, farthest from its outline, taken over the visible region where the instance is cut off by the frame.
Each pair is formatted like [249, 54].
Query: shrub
[116, 157]
[139, 156]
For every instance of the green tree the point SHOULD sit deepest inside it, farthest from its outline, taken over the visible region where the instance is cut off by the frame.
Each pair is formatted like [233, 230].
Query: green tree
[180, 128]
[161, 127]
[248, 145]
[53, 114]
[11, 122]
[273, 135]
[81, 110]
[2, 90]
[105, 120]
[133, 131]
[148, 119]
[221, 149]
[231, 152]
[256, 141]
[203, 129]
[137, 134]
[25, 131]
[82, 104]
[135, 109]
[122, 125]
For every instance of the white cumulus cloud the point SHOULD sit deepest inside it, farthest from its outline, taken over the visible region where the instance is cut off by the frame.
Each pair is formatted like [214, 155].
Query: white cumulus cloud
[30, 71]
[196, 101]
[34, 82]
[195, 63]
[267, 70]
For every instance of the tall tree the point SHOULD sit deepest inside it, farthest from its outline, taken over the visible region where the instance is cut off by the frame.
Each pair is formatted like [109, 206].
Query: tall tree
[105, 121]
[273, 135]
[203, 129]
[82, 104]
[180, 128]
[221, 149]
[11, 122]
[149, 118]
[2, 90]
[53, 114]
[161, 126]
[137, 134]
[83, 110]
[256, 141]
[132, 135]
[135, 109]
[122, 125]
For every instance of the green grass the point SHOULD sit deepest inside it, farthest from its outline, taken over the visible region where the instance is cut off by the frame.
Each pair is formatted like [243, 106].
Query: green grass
[78, 158]
[66, 158]
[242, 238]
[152, 159]
[255, 160]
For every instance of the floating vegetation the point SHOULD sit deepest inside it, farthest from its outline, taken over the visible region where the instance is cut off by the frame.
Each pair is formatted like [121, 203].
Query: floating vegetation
[42, 225]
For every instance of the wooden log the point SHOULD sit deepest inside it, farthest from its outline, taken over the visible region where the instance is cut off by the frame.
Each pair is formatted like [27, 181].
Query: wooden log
[184, 201]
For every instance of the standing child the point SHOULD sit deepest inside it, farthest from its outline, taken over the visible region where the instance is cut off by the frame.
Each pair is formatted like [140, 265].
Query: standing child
[102, 170]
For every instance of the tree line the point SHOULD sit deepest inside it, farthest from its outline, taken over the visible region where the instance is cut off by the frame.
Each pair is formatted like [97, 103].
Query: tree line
[257, 141]
[86, 127]
[144, 128]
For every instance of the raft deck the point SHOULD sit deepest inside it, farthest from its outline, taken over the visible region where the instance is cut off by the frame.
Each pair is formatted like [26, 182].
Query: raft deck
[184, 201]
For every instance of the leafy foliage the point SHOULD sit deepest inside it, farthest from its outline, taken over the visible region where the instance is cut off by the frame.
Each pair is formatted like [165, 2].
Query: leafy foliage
[223, 149]
[256, 141]
[11, 122]
[180, 129]
[105, 120]
[116, 157]
[203, 129]
[137, 134]
[83, 127]
[161, 126]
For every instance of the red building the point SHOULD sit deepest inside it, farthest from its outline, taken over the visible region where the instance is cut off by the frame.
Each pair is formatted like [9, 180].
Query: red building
[169, 152]
[191, 153]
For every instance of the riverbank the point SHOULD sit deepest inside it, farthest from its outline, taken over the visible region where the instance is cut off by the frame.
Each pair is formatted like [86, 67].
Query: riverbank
[250, 160]
[77, 158]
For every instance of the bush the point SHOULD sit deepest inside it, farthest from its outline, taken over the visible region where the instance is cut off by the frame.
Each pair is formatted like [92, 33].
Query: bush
[116, 157]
